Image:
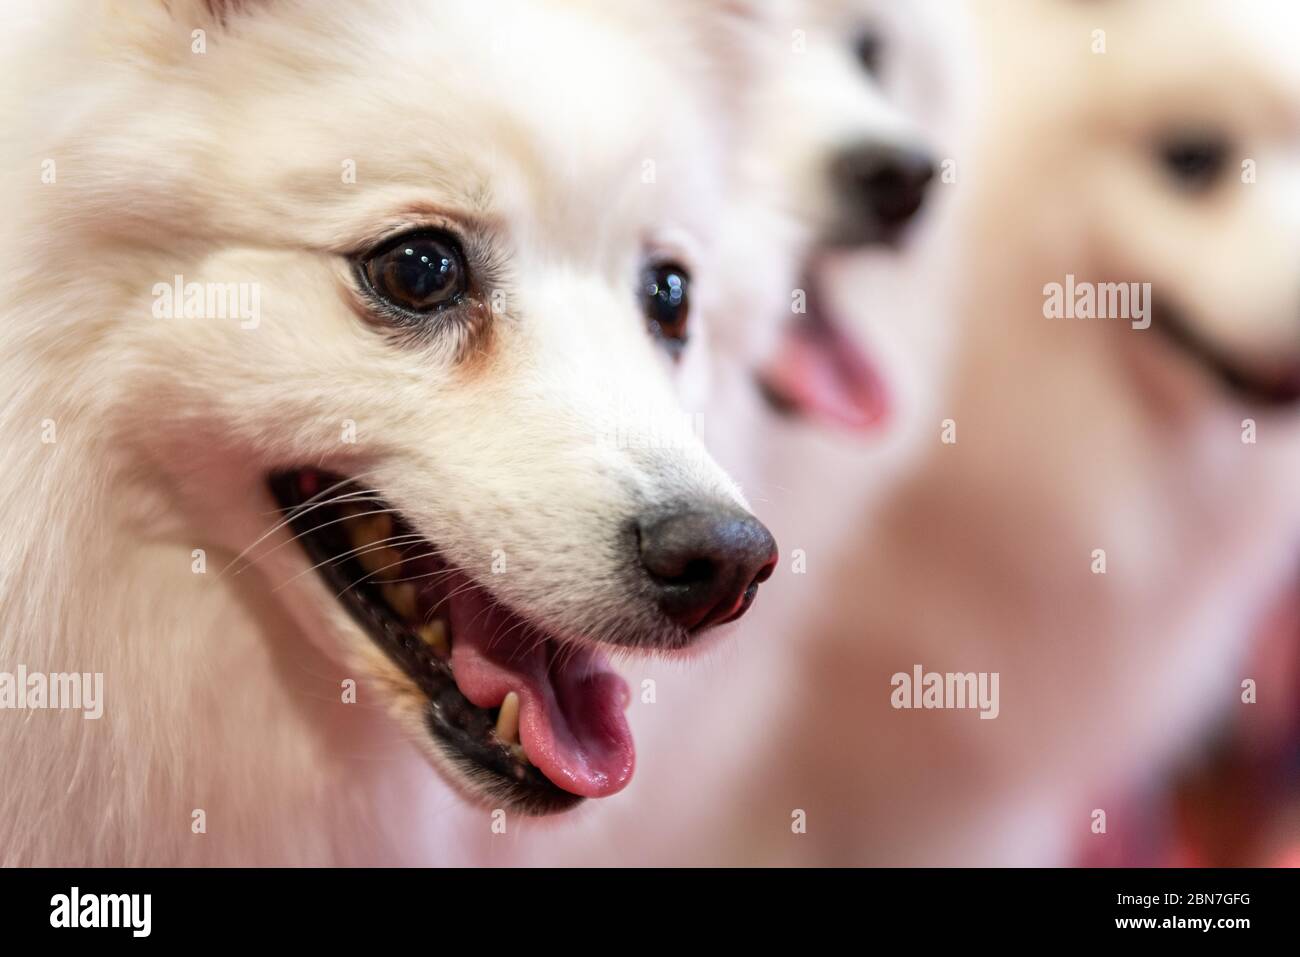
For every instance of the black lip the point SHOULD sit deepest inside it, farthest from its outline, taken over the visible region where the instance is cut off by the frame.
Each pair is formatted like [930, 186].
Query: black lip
[1273, 392]
[462, 730]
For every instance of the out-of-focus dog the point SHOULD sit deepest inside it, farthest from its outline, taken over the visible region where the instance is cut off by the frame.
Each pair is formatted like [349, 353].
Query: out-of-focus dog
[1117, 511]
[1106, 509]
[824, 365]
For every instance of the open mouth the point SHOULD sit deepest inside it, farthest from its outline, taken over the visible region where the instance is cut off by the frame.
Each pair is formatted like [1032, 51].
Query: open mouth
[1279, 387]
[526, 718]
[820, 371]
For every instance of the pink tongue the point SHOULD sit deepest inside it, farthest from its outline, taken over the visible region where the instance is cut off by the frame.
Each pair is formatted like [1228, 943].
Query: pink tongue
[571, 721]
[821, 373]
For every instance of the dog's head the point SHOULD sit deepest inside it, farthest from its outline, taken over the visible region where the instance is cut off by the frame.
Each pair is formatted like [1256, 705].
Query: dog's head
[1177, 127]
[834, 163]
[1200, 188]
[420, 278]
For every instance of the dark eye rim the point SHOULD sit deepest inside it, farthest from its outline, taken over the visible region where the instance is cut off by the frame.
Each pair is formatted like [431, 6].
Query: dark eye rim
[673, 343]
[1218, 147]
[394, 311]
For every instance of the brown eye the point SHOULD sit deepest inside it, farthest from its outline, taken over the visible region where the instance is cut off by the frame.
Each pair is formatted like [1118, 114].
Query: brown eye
[418, 272]
[667, 301]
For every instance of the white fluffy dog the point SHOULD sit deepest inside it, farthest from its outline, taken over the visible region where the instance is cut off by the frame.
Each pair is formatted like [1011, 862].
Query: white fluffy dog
[409, 281]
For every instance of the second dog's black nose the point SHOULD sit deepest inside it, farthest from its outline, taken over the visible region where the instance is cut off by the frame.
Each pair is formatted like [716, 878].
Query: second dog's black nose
[706, 564]
[882, 188]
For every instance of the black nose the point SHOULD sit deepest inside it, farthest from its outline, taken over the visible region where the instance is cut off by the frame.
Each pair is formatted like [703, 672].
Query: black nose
[881, 187]
[706, 564]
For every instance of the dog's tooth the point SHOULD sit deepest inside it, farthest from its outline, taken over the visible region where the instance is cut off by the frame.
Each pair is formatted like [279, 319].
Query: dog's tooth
[382, 525]
[369, 529]
[401, 598]
[382, 562]
[517, 750]
[508, 720]
[358, 530]
[368, 532]
[434, 634]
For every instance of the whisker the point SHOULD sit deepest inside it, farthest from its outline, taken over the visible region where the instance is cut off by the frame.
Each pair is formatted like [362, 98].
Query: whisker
[468, 586]
[369, 576]
[300, 508]
[315, 528]
[352, 553]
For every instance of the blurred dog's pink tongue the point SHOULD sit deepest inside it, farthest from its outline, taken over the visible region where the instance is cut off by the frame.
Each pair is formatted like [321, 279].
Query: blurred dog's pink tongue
[821, 373]
[571, 721]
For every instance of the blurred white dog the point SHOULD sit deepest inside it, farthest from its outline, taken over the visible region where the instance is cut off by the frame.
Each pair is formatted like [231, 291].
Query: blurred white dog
[1105, 511]
[1116, 509]
[839, 218]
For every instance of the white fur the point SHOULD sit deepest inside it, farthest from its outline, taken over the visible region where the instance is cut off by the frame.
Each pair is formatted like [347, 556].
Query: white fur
[223, 689]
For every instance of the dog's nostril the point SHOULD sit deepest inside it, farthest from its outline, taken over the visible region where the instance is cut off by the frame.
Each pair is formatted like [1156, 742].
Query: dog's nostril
[696, 570]
[884, 184]
[705, 564]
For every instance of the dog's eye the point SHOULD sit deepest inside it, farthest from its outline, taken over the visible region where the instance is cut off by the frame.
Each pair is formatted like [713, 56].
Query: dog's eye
[869, 49]
[666, 288]
[418, 272]
[1195, 162]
